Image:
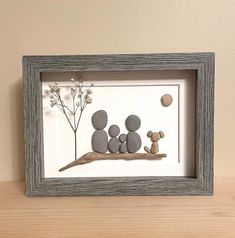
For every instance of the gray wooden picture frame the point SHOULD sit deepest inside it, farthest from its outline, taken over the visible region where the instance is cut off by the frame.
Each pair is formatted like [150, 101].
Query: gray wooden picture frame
[201, 184]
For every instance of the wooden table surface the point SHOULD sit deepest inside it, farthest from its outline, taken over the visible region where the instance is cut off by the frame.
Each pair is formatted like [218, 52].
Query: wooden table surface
[117, 216]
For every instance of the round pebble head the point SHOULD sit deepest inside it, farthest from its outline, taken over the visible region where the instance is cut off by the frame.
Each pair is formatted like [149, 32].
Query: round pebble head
[166, 100]
[122, 138]
[155, 137]
[114, 130]
[99, 119]
[133, 123]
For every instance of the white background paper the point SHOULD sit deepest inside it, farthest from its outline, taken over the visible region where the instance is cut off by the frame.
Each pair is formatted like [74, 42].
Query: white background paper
[120, 99]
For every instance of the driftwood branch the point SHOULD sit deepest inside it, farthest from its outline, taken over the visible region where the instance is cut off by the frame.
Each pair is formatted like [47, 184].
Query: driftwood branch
[93, 156]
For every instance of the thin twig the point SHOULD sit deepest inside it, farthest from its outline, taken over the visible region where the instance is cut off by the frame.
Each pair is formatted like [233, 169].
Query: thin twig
[66, 108]
[66, 114]
[79, 119]
[59, 107]
[75, 129]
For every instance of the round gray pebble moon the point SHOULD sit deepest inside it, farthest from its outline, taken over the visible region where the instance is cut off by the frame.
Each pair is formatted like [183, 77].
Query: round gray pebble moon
[113, 145]
[99, 141]
[123, 148]
[99, 119]
[133, 123]
[133, 142]
[122, 138]
[114, 130]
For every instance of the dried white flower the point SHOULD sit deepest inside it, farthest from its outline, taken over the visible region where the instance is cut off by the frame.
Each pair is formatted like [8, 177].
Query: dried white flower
[80, 84]
[88, 99]
[57, 90]
[53, 104]
[89, 91]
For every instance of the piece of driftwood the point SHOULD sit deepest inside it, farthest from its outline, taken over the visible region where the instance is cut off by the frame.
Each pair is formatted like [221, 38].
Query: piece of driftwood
[93, 156]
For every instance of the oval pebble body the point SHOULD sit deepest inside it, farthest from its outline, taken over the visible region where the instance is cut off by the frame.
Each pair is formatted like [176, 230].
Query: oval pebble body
[133, 142]
[123, 148]
[99, 141]
[113, 145]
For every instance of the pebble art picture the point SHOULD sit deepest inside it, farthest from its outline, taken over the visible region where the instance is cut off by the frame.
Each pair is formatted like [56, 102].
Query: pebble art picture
[107, 143]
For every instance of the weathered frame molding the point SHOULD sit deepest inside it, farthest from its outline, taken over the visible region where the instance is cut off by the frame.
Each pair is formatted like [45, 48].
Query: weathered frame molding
[37, 185]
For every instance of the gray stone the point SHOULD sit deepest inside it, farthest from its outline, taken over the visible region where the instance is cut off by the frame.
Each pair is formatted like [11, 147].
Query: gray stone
[123, 148]
[133, 123]
[114, 130]
[113, 145]
[133, 142]
[99, 119]
[99, 141]
[122, 138]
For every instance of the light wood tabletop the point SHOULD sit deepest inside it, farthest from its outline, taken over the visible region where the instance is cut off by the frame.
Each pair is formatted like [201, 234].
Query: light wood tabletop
[208, 216]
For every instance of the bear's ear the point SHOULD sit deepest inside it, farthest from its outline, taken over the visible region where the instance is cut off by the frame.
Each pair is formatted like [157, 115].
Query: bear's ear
[161, 134]
[149, 134]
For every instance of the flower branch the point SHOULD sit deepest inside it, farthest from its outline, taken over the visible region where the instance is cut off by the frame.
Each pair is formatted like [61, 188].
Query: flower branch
[80, 99]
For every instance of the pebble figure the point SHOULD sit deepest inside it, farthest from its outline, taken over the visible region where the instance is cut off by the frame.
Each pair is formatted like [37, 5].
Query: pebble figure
[113, 144]
[133, 139]
[122, 147]
[154, 137]
[99, 140]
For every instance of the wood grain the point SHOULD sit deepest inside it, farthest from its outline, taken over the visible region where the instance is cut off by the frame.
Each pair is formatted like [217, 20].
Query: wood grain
[93, 156]
[38, 185]
[122, 217]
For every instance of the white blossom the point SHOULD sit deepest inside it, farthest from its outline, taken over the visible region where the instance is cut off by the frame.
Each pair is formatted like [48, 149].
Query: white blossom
[89, 91]
[88, 99]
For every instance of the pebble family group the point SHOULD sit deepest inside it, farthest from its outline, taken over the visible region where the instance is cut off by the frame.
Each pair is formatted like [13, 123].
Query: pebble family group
[122, 143]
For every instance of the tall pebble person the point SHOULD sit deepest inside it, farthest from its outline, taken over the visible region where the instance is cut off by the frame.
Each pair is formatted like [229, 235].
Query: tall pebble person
[113, 144]
[133, 140]
[99, 138]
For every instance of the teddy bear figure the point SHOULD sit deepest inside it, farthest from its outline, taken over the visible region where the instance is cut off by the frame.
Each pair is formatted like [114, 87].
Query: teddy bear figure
[154, 137]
